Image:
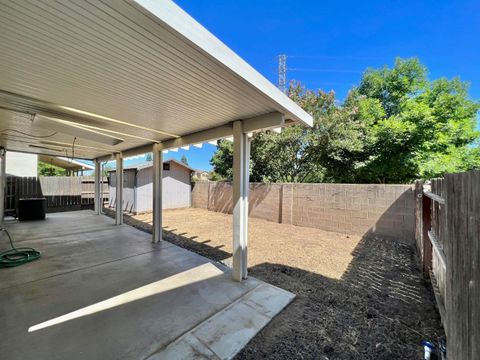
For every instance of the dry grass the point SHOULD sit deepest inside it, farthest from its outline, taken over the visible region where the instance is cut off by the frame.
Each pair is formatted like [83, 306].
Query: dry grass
[322, 252]
[357, 297]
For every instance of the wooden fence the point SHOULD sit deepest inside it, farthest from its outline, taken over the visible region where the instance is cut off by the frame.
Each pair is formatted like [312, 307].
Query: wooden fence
[62, 193]
[448, 241]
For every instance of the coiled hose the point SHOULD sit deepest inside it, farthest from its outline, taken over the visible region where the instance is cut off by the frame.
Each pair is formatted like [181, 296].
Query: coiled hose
[17, 256]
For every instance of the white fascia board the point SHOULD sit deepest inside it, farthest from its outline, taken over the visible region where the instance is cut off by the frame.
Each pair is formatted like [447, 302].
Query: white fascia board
[86, 166]
[201, 136]
[170, 14]
[257, 123]
[264, 122]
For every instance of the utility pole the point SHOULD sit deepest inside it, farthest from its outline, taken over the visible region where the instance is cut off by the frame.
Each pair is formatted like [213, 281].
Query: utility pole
[282, 72]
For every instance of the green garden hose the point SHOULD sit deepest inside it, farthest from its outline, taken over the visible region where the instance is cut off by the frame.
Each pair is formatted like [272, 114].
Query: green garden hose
[17, 256]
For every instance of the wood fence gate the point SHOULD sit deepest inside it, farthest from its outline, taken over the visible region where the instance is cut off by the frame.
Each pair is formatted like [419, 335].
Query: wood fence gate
[448, 241]
[62, 193]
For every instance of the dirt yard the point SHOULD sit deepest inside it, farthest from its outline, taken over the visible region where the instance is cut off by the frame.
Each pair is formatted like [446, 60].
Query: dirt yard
[357, 298]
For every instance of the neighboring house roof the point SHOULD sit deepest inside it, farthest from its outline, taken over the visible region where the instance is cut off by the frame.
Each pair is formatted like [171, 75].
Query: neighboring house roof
[149, 164]
[181, 164]
[65, 163]
[201, 174]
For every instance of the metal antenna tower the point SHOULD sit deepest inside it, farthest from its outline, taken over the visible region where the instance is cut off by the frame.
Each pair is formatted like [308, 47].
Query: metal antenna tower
[282, 72]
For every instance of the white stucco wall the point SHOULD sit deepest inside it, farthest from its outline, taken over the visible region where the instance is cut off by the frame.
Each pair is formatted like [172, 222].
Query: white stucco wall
[20, 164]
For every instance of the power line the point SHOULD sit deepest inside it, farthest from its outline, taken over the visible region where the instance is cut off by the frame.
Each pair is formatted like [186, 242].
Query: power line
[325, 70]
[339, 57]
[329, 83]
[283, 69]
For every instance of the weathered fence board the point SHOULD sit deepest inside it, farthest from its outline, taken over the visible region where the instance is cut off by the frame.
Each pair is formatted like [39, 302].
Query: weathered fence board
[62, 193]
[451, 225]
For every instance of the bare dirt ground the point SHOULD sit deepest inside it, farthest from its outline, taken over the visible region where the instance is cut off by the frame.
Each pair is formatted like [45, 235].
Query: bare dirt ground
[357, 297]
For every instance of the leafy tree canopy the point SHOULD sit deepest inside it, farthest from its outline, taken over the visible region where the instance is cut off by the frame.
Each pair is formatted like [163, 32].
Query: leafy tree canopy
[222, 160]
[45, 169]
[394, 127]
[106, 170]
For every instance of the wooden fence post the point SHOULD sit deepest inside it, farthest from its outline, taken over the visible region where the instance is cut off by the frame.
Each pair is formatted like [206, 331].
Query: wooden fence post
[419, 218]
[426, 226]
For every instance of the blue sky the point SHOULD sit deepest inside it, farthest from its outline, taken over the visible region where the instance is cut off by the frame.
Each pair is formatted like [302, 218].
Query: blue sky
[330, 43]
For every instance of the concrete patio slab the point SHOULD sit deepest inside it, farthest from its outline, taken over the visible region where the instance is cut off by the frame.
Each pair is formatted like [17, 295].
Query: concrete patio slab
[227, 332]
[101, 291]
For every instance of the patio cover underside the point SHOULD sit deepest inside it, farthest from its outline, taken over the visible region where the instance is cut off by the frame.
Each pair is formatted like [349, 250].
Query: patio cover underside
[106, 292]
[143, 71]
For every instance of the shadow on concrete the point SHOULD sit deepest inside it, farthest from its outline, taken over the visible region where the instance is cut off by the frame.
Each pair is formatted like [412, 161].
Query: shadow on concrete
[201, 248]
[179, 239]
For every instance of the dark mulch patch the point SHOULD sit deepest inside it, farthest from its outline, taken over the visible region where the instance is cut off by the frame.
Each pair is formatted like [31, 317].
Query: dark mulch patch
[380, 309]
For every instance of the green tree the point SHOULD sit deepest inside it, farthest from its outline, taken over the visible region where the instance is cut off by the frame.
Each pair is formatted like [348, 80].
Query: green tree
[45, 169]
[394, 127]
[149, 156]
[427, 128]
[222, 160]
[294, 155]
[392, 86]
[184, 160]
[299, 153]
[106, 170]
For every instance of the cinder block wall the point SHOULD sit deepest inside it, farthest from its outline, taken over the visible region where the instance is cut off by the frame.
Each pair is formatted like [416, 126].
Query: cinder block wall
[386, 210]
